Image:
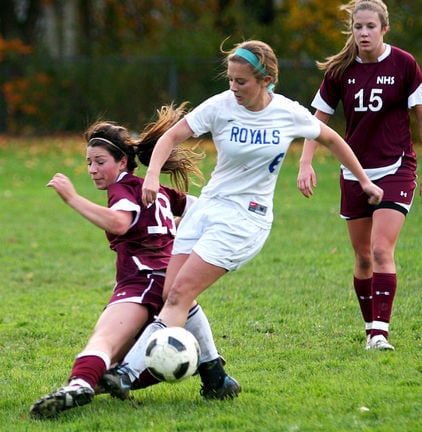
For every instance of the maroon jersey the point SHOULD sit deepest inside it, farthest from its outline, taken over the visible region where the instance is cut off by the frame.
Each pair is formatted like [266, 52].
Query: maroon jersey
[376, 99]
[148, 243]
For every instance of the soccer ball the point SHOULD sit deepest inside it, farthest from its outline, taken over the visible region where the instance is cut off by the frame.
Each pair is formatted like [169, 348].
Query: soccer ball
[172, 354]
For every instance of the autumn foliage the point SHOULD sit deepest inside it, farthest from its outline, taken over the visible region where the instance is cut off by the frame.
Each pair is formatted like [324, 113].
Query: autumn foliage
[146, 52]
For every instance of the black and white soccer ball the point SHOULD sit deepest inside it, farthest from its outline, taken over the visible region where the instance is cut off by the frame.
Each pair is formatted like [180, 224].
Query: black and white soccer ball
[172, 354]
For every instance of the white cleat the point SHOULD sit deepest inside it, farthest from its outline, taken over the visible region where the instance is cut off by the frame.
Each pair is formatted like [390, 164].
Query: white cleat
[379, 342]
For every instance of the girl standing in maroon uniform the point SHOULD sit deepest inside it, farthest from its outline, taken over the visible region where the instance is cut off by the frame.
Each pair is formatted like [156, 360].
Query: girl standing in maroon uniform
[141, 236]
[377, 84]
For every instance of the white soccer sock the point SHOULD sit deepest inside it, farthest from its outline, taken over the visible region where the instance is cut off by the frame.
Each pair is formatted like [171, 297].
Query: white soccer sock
[197, 323]
[79, 382]
[134, 360]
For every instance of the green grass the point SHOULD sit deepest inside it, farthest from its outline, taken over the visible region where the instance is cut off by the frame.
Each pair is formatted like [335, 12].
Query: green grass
[288, 323]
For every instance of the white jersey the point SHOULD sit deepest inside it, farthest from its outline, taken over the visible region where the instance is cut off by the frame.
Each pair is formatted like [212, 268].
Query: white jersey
[251, 147]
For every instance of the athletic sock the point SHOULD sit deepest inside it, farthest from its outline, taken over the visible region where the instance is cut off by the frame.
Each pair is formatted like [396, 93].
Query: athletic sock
[89, 366]
[383, 290]
[197, 323]
[134, 360]
[363, 289]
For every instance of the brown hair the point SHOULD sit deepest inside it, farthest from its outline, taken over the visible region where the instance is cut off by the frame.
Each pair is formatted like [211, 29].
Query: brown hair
[263, 52]
[339, 62]
[119, 142]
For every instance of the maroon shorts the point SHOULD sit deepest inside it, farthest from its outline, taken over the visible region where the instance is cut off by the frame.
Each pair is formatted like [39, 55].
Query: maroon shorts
[145, 288]
[399, 190]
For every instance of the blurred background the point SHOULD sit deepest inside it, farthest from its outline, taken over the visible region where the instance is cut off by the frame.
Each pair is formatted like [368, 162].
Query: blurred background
[67, 63]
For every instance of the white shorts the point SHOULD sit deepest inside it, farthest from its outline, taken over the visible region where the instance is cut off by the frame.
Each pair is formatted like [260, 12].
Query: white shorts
[220, 234]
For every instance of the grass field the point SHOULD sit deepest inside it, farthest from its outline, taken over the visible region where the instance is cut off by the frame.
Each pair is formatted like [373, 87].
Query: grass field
[287, 323]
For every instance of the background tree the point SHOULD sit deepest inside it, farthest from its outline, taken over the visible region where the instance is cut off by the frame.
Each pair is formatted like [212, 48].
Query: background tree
[65, 61]
[20, 19]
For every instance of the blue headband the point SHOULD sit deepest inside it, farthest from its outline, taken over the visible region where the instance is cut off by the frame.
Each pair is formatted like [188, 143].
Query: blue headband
[251, 58]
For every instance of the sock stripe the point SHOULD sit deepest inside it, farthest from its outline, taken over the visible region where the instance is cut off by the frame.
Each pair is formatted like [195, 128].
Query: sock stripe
[194, 310]
[159, 322]
[380, 325]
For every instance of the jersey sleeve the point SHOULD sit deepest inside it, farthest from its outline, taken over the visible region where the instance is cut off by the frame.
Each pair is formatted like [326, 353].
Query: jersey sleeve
[328, 95]
[121, 191]
[121, 197]
[308, 126]
[320, 104]
[414, 78]
[201, 118]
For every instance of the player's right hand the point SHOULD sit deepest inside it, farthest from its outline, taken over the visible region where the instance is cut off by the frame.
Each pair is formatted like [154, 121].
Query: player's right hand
[150, 189]
[306, 180]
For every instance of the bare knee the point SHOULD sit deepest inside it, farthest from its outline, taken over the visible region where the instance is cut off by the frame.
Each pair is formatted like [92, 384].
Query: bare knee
[364, 262]
[382, 256]
[178, 295]
[173, 297]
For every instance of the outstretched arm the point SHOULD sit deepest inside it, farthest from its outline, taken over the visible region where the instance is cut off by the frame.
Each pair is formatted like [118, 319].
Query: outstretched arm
[342, 151]
[116, 222]
[306, 178]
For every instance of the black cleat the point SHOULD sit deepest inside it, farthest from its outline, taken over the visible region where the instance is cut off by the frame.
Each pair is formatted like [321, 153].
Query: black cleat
[229, 389]
[216, 384]
[116, 381]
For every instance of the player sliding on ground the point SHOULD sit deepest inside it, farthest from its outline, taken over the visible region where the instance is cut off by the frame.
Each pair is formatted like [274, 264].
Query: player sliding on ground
[142, 236]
